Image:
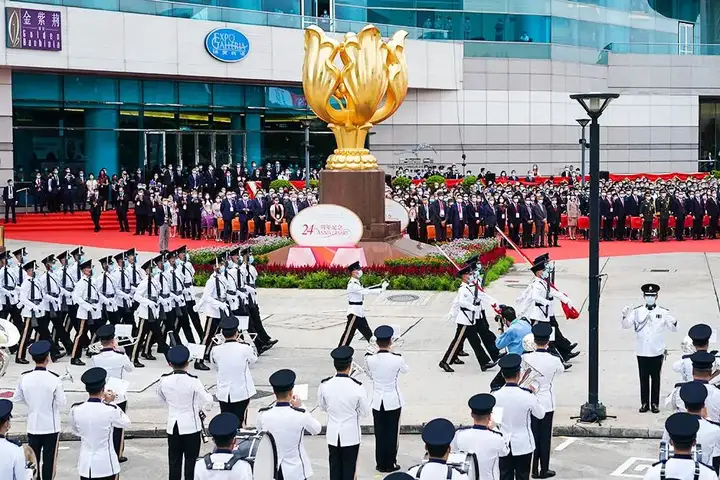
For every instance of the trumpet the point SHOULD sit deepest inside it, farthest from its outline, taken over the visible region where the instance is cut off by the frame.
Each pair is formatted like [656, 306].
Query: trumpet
[356, 370]
[31, 466]
[529, 375]
[244, 335]
[121, 342]
[67, 376]
[372, 346]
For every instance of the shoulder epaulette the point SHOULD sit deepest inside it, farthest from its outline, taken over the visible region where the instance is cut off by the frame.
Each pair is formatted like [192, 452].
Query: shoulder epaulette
[714, 423]
[166, 374]
[639, 306]
[462, 428]
[679, 384]
[23, 373]
[50, 371]
[191, 375]
[119, 353]
[495, 389]
[495, 431]
[355, 380]
[265, 409]
[714, 352]
[526, 389]
[298, 409]
[659, 463]
[687, 356]
[398, 354]
[706, 465]
[110, 405]
[76, 404]
[326, 379]
[368, 354]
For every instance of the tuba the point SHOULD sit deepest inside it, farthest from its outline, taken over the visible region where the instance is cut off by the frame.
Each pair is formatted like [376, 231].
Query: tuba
[687, 346]
[9, 337]
[528, 343]
[529, 375]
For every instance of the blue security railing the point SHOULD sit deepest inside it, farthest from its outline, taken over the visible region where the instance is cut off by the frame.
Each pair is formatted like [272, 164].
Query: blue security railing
[664, 48]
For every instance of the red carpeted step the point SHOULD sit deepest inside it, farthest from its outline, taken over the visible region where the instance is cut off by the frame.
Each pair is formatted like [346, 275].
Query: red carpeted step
[61, 222]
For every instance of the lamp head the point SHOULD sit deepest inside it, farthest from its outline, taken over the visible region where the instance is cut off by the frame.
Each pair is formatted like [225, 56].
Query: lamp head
[583, 121]
[595, 103]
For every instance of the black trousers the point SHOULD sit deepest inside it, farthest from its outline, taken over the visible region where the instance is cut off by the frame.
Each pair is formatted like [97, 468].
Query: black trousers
[527, 234]
[487, 336]
[45, 448]
[355, 323]
[123, 220]
[343, 461]
[194, 317]
[83, 327]
[607, 228]
[712, 228]
[515, 233]
[663, 228]
[561, 343]
[182, 449]
[60, 330]
[119, 433]
[154, 335]
[440, 232]
[387, 430]
[470, 333]
[10, 211]
[698, 226]
[647, 231]
[259, 226]
[539, 239]
[244, 230]
[553, 233]
[542, 431]
[515, 467]
[679, 227]
[239, 409]
[255, 324]
[649, 369]
[182, 322]
[227, 230]
[211, 329]
[620, 228]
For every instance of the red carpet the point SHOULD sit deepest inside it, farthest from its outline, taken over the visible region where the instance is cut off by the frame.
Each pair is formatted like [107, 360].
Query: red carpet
[61, 222]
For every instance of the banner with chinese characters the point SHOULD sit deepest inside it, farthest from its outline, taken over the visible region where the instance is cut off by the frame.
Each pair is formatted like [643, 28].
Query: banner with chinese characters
[33, 29]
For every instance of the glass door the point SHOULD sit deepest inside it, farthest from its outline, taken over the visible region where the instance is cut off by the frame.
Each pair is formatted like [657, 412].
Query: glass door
[686, 38]
[155, 150]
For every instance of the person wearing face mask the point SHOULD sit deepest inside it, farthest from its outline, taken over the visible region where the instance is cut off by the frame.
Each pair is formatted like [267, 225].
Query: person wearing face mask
[650, 322]
[662, 207]
[607, 215]
[10, 198]
[424, 219]
[539, 216]
[711, 206]
[438, 217]
[647, 211]
[192, 216]
[260, 209]
[677, 206]
[356, 313]
[244, 208]
[553, 219]
[696, 208]
[457, 219]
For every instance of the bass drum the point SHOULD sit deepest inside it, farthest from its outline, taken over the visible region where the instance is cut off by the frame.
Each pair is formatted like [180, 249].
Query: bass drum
[466, 463]
[258, 449]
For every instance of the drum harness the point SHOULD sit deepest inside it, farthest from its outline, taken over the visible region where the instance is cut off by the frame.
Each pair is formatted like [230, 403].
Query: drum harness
[450, 469]
[696, 475]
[210, 465]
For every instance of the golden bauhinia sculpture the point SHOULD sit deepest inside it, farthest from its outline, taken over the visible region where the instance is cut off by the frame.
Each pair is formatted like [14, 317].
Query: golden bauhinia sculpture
[365, 89]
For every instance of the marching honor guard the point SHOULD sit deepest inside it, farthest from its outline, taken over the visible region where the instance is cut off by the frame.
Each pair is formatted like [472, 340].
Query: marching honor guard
[9, 295]
[699, 335]
[18, 258]
[562, 344]
[464, 311]
[77, 257]
[42, 391]
[147, 295]
[94, 422]
[214, 304]
[287, 421]
[682, 429]
[175, 282]
[223, 462]
[356, 312]
[384, 368]
[549, 368]
[66, 281]
[519, 404]
[52, 296]
[12, 455]
[89, 311]
[104, 284]
[248, 275]
[344, 400]
[438, 436]
[187, 400]
[124, 292]
[114, 361]
[188, 274]
[481, 438]
[165, 301]
[32, 299]
[650, 322]
[233, 358]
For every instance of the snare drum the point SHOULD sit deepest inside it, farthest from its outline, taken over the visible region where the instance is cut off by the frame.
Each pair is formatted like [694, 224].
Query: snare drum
[258, 449]
[466, 463]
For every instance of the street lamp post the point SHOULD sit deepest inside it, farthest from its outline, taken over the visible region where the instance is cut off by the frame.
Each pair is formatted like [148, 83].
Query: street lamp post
[583, 143]
[306, 144]
[594, 104]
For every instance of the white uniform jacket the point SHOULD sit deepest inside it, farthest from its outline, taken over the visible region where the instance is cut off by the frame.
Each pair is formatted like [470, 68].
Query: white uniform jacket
[117, 365]
[384, 368]
[487, 445]
[88, 300]
[147, 295]
[469, 306]
[518, 404]
[234, 379]
[93, 421]
[75, 271]
[188, 274]
[684, 367]
[135, 274]
[167, 299]
[550, 368]
[536, 302]
[31, 298]
[356, 294]
[712, 401]
[650, 326]
[123, 288]
[436, 470]
[680, 468]
[240, 471]
[52, 294]
[708, 437]
[67, 282]
[12, 460]
[344, 400]
[233, 289]
[104, 284]
[42, 391]
[185, 396]
[176, 282]
[214, 297]
[288, 425]
[8, 286]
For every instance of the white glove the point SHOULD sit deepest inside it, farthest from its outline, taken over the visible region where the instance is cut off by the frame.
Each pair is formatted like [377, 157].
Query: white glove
[38, 311]
[385, 284]
[625, 311]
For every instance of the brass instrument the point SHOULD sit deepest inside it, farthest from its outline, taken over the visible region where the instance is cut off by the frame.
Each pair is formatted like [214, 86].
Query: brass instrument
[31, 465]
[687, 346]
[529, 376]
[244, 336]
[122, 342]
[528, 343]
[9, 337]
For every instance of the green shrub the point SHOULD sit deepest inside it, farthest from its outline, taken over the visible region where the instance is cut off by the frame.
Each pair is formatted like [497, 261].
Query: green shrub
[435, 181]
[281, 185]
[468, 182]
[402, 182]
[314, 183]
[201, 278]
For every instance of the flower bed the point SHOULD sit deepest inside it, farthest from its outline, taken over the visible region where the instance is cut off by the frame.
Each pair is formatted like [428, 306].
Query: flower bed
[258, 246]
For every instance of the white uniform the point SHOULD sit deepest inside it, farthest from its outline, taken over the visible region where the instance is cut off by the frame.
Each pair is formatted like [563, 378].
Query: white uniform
[93, 421]
[356, 294]
[518, 404]
[650, 326]
[88, 299]
[67, 284]
[384, 368]
[708, 437]
[166, 299]
[214, 297]
[487, 445]
[680, 469]
[176, 285]
[104, 284]
[436, 470]
[233, 289]
[535, 302]
[550, 367]
[712, 401]
[116, 364]
[234, 379]
[8, 286]
[241, 470]
[31, 298]
[147, 295]
[42, 391]
[684, 367]
[344, 400]
[123, 288]
[188, 272]
[12, 460]
[288, 424]
[51, 292]
[185, 396]
[468, 306]
[135, 274]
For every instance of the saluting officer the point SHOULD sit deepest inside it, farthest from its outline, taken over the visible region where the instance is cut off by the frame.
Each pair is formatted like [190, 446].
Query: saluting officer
[33, 311]
[117, 365]
[437, 435]
[42, 391]
[12, 456]
[384, 368]
[519, 404]
[650, 322]
[214, 304]
[222, 462]
[702, 364]
[233, 358]
[550, 368]
[287, 421]
[94, 422]
[344, 400]
[187, 400]
[682, 429]
[356, 312]
[147, 296]
[700, 335]
[89, 311]
[482, 439]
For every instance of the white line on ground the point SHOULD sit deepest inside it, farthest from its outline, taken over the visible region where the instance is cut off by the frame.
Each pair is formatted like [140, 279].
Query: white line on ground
[565, 444]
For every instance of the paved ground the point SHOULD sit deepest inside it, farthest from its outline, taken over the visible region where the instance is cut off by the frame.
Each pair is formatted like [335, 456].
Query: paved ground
[308, 324]
[574, 458]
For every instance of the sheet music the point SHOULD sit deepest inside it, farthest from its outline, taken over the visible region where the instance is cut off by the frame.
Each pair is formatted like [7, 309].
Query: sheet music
[301, 391]
[118, 386]
[713, 337]
[123, 330]
[243, 322]
[197, 351]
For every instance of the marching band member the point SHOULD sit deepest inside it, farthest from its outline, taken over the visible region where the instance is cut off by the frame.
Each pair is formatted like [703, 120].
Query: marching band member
[66, 281]
[437, 435]
[94, 422]
[104, 284]
[549, 366]
[147, 296]
[177, 289]
[702, 364]
[114, 361]
[42, 391]
[356, 312]
[34, 313]
[481, 438]
[248, 275]
[12, 456]
[464, 310]
[344, 400]
[222, 462]
[519, 404]
[233, 358]
[9, 295]
[700, 335]
[214, 304]
[384, 368]
[188, 273]
[89, 311]
[682, 429]
[511, 339]
[649, 322]
[287, 421]
[186, 399]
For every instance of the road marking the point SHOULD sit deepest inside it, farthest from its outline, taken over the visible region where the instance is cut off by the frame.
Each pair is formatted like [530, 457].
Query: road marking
[640, 464]
[565, 444]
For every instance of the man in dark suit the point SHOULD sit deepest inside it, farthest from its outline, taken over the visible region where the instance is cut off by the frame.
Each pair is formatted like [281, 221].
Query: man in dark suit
[697, 210]
[11, 200]
[66, 191]
[142, 212]
[438, 217]
[38, 190]
[632, 209]
[292, 207]
[620, 215]
[711, 205]
[607, 215]
[52, 191]
[662, 208]
[194, 206]
[457, 218]
[539, 214]
[423, 219]
[489, 217]
[195, 180]
[472, 213]
[260, 214]
[526, 217]
[244, 209]
[514, 221]
[228, 212]
[302, 202]
[122, 204]
[677, 206]
[157, 215]
[553, 220]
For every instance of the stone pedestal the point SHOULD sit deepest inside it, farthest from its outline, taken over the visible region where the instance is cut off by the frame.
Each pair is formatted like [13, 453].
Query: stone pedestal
[363, 193]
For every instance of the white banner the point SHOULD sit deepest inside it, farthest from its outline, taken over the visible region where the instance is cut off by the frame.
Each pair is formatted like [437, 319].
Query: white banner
[326, 225]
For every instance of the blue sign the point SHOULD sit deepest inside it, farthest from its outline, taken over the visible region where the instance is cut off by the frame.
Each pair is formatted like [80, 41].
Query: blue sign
[227, 45]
